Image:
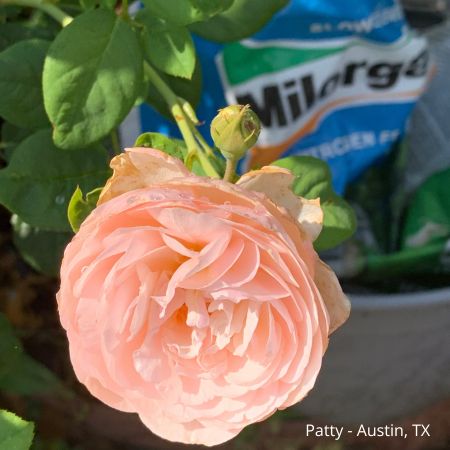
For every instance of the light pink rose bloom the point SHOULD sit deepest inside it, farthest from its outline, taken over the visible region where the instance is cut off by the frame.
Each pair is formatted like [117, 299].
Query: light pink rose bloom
[199, 304]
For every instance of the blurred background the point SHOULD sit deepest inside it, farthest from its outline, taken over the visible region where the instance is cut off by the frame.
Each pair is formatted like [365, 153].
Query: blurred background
[389, 365]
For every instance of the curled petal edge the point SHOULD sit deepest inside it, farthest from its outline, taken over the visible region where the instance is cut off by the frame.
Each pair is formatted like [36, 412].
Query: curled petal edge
[336, 302]
[138, 168]
[275, 183]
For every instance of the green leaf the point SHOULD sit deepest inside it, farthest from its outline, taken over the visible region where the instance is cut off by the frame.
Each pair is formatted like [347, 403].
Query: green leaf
[177, 149]
[41, 249]
[244, 18]
[168, 47]
[339, 223]
[313, 176]
[40, 179]
[173, 147]
[313, 180]
[12, 32]
[9, 12]
[92, 77]
[15, 433]
[427, 218]
[12, 136]
[79, 207]
[10, 348]
[143, 93]
[91, 4]
[30, 378]
[183, 12]
[88, 4]
[19, 373]
[190, 90]
[20, 84]
[109, 4]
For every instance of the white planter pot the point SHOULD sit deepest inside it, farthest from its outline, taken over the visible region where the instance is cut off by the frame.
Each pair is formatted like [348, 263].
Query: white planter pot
[391, 359]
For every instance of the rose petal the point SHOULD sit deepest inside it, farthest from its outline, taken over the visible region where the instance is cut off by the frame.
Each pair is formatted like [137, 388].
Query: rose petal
[138, 168]
[336, 302]
[276, 183]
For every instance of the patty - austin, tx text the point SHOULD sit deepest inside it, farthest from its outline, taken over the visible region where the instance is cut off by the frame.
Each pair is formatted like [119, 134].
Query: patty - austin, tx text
[336, 432]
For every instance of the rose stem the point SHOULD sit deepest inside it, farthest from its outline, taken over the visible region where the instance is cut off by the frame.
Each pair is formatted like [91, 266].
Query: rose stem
[124, 10]
[230, 170]
[115, 142]
[183, 122]
[190, 114]
[58, 14]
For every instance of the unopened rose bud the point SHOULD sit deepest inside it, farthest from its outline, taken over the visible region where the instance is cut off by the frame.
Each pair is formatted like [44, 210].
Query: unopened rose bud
[234, 130]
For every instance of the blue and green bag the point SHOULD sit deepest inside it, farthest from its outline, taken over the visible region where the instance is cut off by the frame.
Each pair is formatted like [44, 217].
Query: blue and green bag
[335, 80]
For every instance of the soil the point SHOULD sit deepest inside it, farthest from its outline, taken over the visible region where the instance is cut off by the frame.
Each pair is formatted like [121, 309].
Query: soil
[77, 421]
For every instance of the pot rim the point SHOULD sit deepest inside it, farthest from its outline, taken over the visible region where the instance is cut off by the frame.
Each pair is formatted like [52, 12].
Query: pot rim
[413, 300]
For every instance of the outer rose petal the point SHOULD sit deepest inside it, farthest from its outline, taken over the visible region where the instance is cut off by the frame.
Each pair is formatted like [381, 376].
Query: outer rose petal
[276, 183]
[337, 303]
[140, 167]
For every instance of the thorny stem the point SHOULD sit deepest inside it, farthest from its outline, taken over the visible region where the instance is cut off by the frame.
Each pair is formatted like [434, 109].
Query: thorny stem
[53, 11]
[185, 125]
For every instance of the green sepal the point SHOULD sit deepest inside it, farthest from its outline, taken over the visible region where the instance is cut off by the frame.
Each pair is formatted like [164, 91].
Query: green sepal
[81, 206]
